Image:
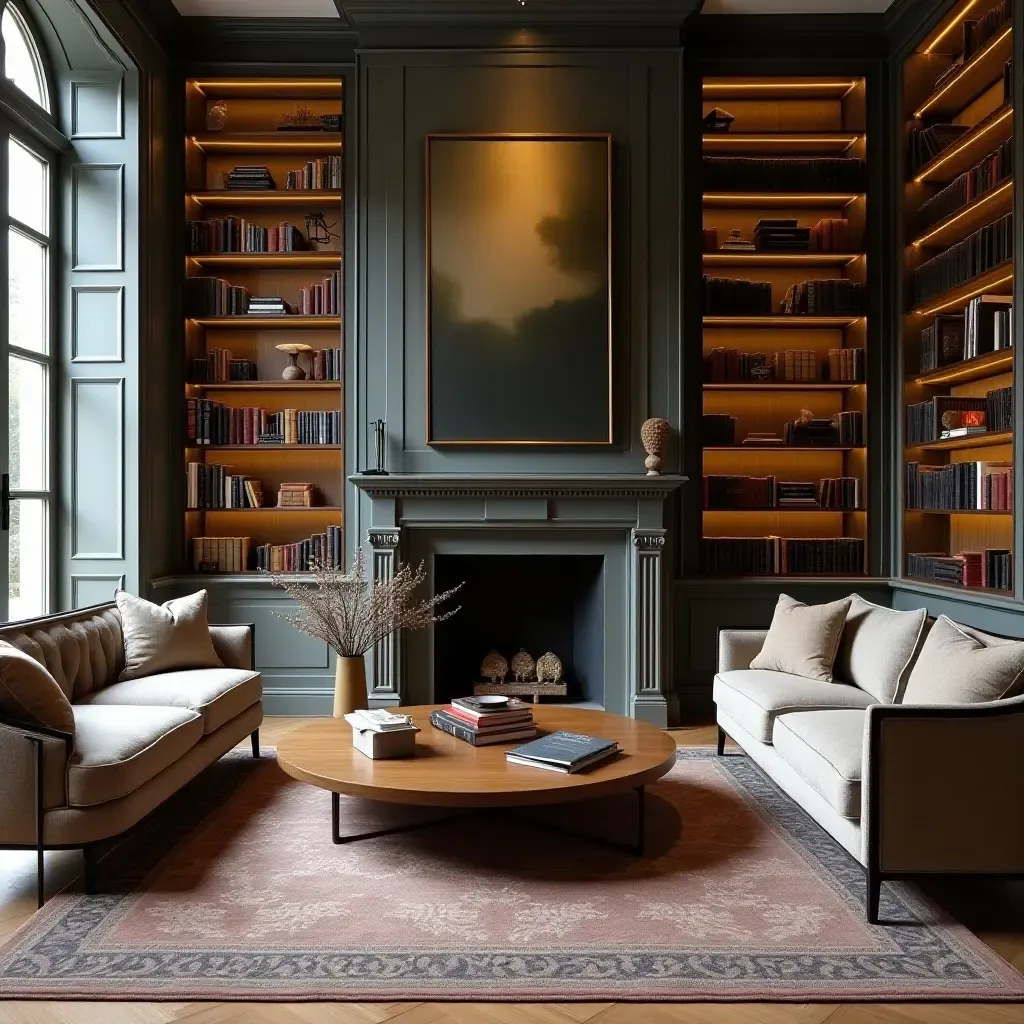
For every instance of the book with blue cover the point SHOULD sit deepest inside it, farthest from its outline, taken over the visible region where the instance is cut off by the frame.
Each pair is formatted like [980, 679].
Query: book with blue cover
[563, 752]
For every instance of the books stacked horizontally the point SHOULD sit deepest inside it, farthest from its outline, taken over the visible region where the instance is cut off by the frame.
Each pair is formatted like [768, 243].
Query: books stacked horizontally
[563, 751]
[481, 721]
[295, 495]
[781, 234]
[268, 305]
[250, 177]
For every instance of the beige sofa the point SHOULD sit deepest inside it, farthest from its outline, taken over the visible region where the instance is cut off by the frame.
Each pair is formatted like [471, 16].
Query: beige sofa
[134, 744]
[905, 789]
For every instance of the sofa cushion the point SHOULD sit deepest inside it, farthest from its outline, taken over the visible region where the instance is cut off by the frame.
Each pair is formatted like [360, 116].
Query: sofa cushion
[754, 697]
[165, 637]
[119, 748]
[826, 749]
[29, 694]
[877, 648]
[803, 638]
[217, 694]
[961, 665]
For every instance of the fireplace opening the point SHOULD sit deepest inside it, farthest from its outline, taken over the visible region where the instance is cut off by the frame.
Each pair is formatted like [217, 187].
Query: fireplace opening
[537, 603]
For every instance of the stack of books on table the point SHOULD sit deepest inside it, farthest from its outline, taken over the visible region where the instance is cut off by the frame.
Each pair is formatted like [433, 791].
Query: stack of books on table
[481, 723]
[563, 751]
[379, 733]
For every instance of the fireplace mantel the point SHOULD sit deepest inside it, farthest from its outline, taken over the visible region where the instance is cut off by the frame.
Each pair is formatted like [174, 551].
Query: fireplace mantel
[420, 515]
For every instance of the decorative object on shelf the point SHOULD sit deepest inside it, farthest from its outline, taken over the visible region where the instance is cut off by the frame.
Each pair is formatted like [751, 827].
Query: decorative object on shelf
[380, 447]
[494, 667]
[737, 243]
[216, 116]
[293, 371]
[549, 668]
[654, 434]
[330, 122]
[352, 615]
[717, 121]
[303, 120]
[523, 666]
[298, 494]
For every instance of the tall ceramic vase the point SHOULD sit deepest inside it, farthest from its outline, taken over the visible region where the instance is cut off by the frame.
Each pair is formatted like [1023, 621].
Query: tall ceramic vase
[349, 685]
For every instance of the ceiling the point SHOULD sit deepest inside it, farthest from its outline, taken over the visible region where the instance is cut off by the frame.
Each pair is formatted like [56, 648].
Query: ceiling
[328, 8]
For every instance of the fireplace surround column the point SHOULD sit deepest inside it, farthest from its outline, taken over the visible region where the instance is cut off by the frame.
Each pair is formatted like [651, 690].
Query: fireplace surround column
[387, 652]
[648, 601]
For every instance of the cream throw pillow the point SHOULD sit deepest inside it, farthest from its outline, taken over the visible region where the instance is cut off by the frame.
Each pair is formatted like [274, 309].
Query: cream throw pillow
[960, 665]
[877, 648]
[165, 637]
[30, 694]
[803, 638]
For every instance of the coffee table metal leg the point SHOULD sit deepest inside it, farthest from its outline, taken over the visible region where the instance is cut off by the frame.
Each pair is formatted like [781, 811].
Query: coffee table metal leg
[641, 820]
[340, 840]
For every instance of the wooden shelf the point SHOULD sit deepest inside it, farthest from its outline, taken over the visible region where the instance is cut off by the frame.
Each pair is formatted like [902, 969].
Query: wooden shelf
[777, 321]
[1006, 595]
[267, 197]
[783, 448]
[271, 385]
[268, 260]
[269, 508]
[957, 298]
[969, 149]
[988, 365]
[986, 440]
[780, 259]
[776, 385]
[995, 203]
[269, 88]
[961, 511]
[777, 88]
[778, 200]
[192, 446]
[281, 142]
[783, 143]
[983, 70]
[277, 323]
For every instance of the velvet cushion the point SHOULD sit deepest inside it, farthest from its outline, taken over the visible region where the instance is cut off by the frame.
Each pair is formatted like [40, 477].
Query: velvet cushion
[803, 638]
[165, 637]
[29, 694]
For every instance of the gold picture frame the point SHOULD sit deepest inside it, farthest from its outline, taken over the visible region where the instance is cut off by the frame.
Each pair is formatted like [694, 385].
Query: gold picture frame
[516, 349]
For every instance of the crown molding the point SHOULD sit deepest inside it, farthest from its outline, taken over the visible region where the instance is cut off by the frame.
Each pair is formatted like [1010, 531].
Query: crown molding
[270, 41]
[158, 19]
[510, 13]
[908, 21]
[784, 37]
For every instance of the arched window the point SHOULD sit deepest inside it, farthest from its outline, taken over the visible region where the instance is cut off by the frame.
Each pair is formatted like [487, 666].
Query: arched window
[23, 65]
[27, 352]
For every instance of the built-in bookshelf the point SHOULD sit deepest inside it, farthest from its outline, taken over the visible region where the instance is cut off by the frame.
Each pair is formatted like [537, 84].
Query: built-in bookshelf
[958, 322]
[785, 327]
[264, 462]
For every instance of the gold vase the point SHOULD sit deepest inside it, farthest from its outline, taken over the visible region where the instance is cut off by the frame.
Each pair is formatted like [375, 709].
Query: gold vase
[349, 685]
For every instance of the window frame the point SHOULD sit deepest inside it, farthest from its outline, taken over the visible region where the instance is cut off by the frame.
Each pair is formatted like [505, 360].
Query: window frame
[38, 52]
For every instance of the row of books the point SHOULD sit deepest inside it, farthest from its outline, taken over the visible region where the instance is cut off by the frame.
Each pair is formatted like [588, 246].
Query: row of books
[992, 567]
[221, 554]
[211, 423]
[960, 486]
[300, 556]
[978, 252]
[927, 142]
[214, 486]
[246, 177]
[774, 556]
[236, 234]
[841, 428]
[316, 174]
[483, 724]
[971, 185]
[976, 34]
[832, 296]
[325, 364]
[768, 492]
[830, 234]
[213, 296]
[322, 299]
[220, 367]
[986, 325]
[731, 295]
[842, 366]
[945, 417]
[784, 174]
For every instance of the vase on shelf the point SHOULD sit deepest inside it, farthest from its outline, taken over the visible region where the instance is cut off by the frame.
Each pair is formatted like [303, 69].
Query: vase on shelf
[349, 685]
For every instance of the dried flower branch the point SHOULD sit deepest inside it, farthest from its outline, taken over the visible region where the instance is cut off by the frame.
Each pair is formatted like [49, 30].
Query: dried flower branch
[352, 614]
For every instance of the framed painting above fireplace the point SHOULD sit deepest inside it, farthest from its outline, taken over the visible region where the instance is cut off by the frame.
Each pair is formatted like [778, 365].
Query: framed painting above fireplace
[519, 303]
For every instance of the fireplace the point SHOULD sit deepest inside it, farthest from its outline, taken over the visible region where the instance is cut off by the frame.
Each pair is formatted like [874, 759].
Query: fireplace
[539, 603]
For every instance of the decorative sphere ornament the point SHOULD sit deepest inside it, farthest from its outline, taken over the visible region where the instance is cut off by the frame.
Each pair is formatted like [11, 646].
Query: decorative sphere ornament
[549, 668]
[494, 668]
[522, 666]
[654, 435]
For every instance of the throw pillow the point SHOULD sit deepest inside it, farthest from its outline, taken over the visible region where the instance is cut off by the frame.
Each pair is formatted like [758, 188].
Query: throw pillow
[877, 648]
[165, 637]
[30, 694]
[803, 638]
[960, 665]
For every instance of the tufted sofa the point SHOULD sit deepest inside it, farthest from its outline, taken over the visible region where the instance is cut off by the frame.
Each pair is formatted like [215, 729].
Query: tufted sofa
[134, 743]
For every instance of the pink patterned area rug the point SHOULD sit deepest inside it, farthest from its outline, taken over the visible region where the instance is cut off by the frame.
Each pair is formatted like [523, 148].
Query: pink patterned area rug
[741, 897]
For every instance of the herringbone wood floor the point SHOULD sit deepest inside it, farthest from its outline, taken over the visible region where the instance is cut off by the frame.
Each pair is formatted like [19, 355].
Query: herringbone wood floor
[995, 912]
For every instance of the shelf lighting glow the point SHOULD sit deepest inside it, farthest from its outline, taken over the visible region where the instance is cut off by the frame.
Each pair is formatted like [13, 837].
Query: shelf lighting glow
[777, 86]
[954, 23]
[794, 198]
[977, 59]
[743, 138]
[962, 300]
[980, 203]
[968, 140]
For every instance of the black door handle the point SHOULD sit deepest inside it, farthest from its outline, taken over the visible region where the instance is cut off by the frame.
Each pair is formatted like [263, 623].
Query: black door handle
[5, 502]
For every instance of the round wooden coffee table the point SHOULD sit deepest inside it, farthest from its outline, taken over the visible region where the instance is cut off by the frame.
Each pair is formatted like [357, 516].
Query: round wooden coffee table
[448, 772]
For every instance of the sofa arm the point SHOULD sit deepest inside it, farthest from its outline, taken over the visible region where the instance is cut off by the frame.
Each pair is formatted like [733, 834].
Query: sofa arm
[235, 645]
[943, 787]
[19, 750]
[737, 648]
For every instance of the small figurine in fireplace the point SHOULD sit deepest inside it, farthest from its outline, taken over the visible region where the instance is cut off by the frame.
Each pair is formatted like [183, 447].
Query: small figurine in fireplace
[494, 667]
[523, 666]
[549, 668]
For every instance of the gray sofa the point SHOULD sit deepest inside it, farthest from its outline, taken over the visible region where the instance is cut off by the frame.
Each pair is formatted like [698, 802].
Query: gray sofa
[906, 789]
[134, 743]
